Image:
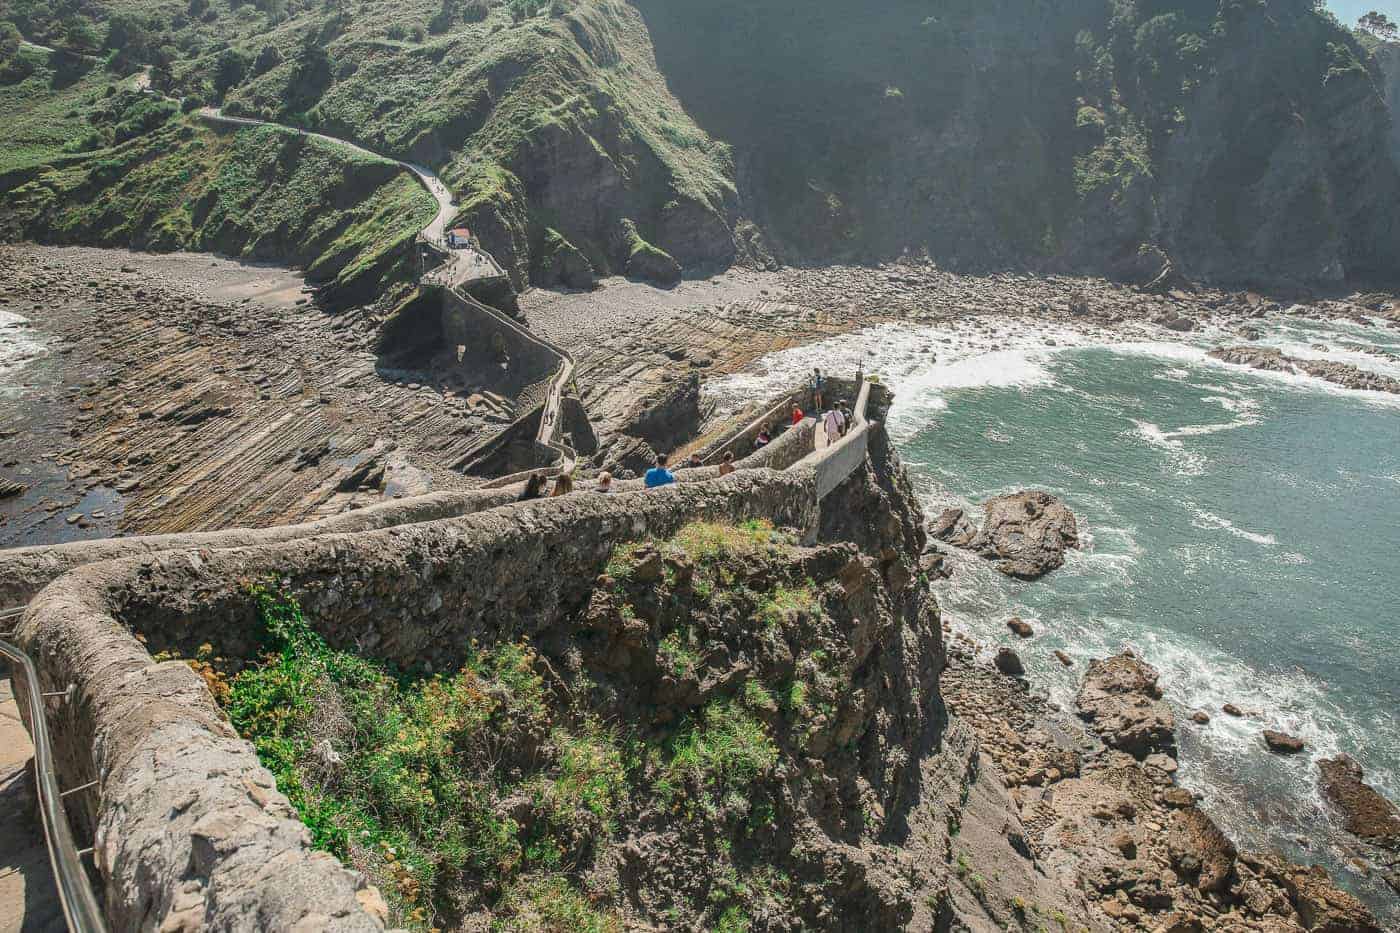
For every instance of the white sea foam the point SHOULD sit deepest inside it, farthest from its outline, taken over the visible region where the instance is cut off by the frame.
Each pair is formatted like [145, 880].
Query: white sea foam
[1209, 520]
[1186, 462]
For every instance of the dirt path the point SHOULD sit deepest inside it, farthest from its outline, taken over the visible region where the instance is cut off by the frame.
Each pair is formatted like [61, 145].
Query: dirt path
[28, 899]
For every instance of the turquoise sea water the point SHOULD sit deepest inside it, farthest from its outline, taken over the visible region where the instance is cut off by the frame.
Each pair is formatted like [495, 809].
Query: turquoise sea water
[1242, 532]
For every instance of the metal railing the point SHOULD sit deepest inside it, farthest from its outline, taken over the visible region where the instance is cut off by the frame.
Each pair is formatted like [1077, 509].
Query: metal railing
[80, 908]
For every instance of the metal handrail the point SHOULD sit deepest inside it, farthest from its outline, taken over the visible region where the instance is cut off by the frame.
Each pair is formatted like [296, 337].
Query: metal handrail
[75, 895]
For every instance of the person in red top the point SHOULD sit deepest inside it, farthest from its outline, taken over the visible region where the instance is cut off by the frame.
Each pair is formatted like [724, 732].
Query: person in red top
[796, 415]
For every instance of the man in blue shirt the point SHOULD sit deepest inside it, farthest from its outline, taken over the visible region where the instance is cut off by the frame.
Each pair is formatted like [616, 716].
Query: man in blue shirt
[659, 475]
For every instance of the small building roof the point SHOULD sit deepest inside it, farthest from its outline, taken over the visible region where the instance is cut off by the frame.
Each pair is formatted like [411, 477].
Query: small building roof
[461, 232]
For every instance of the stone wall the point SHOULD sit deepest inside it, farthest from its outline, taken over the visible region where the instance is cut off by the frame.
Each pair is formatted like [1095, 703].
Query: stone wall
[25, 571]
[191, 832]
[490, 339]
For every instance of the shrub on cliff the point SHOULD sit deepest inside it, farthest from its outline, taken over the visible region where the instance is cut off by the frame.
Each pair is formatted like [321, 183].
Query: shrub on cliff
[584, 779]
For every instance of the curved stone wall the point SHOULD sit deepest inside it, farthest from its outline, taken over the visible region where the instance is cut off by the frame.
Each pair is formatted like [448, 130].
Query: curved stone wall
[190, 830]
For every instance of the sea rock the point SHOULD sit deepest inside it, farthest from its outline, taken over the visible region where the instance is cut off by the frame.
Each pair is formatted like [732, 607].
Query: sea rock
[1367, 814]
[1027, 533]
[1342, 374]
[1123, 704]
[953, 527]
[1063, 658]
[1200, 717]
[1199, 849]
[1231, 709]
[10, 488]
[1282, 742]
[1020, 627]
[1009, 663]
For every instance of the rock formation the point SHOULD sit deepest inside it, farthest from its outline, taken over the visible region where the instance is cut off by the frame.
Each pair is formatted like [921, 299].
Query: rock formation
[1342, 374]
[1123, 704]
[1026, 533]
[1367, 814]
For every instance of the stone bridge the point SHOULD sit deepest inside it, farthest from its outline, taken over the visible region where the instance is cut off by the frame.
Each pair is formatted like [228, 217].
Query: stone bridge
[188, 829]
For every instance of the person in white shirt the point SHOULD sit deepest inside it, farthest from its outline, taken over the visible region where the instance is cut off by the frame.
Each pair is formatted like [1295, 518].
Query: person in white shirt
[833, 422]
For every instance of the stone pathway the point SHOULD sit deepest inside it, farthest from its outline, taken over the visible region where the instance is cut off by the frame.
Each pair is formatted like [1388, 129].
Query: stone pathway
[28, 900]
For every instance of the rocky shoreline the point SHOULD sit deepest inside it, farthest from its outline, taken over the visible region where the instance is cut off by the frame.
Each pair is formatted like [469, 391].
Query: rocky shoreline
[1343, 374]
[1103, 814]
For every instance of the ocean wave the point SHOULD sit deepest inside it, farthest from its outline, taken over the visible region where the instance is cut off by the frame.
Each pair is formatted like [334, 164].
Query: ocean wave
[1186, 462]
[17, 345]
[1209, 520]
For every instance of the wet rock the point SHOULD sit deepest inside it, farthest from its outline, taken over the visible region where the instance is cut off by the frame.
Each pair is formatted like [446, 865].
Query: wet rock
[1367, 814]
[9, 488]
[1009, 663]
[1063, 658]
[1123, 704]
[1027, 533]
[1231, 709]
[1342, 374]
[1282, 742]
[1200, 717]
[953, 527]
[1020, 627]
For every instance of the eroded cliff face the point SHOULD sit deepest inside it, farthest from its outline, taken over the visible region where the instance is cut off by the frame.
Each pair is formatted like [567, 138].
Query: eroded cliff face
[1247, 143]
[1388, 60]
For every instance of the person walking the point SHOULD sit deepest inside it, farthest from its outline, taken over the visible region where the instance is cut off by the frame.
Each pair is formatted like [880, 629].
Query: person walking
[832, 423]
[534, 488]
[726, 466]
[818, 384]
[659, 475]
[604, 482]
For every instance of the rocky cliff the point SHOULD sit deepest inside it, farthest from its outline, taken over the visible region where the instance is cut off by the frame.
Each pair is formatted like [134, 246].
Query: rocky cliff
[1388, 61]
[1244, 142]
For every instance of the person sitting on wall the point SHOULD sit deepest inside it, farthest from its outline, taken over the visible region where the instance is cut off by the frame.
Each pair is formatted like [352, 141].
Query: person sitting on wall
[604, 482]
[659, 475]
[726, 466]
[796, 415]
[763, 440]
[563, 485]
[694, 461]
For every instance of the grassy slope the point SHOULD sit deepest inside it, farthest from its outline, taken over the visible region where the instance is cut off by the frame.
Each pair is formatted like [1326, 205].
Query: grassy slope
[523, 118]
[262, 193]
[41, 113]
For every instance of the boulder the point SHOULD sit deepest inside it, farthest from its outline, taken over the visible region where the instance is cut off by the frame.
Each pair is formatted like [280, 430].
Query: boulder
[1199, 850]
[1231, 709]
[1366, 813]
[1027, 533]
[1063, 658]
[1009, 663]
[1282, 742]
[953, 527]
[1123, 705]
[1020, 627]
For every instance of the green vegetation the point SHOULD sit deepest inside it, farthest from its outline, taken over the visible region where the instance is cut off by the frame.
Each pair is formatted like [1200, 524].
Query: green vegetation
[263, 193]
[501, 791]
[486, 791]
